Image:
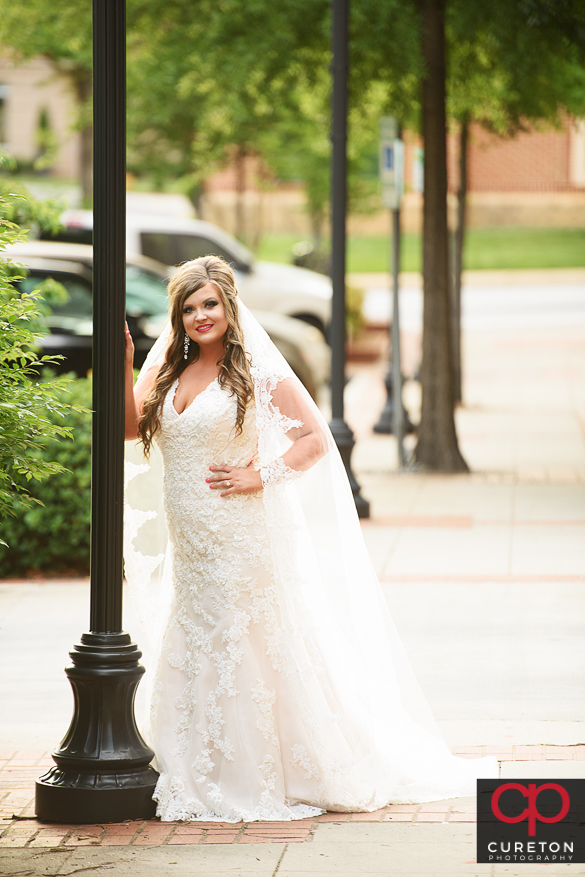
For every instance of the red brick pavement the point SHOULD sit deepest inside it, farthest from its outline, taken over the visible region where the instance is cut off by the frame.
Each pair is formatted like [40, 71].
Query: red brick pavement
[20, 828]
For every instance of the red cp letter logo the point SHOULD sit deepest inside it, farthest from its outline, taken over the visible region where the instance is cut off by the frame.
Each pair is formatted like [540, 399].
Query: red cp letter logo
[531, 812]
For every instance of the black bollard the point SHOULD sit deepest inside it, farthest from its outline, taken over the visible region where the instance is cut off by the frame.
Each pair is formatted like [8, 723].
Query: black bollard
[385, 423]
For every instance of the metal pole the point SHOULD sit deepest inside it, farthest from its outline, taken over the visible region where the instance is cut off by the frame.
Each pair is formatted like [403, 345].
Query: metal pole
[109, 281]
[341, 432]
[102, 768]
[396, 358]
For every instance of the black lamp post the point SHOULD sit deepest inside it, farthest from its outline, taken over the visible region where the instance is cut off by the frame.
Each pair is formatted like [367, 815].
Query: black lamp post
[102, 771]
[341, 432]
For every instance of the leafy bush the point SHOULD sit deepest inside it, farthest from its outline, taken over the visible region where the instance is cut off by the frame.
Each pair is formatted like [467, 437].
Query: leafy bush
[36, 415]
[54, 536]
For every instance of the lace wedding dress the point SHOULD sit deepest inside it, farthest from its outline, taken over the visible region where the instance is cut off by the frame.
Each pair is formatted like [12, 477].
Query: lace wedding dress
[279, 687]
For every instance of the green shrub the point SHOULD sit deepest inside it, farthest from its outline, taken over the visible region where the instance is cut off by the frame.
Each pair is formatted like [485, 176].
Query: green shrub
[54, 536]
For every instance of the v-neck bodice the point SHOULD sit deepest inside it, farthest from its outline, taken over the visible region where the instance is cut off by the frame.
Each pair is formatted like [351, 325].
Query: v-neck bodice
[202, 435]
[173, 393]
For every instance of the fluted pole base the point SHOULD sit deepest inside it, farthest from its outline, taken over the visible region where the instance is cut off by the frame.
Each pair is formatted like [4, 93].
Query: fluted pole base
[102, 767]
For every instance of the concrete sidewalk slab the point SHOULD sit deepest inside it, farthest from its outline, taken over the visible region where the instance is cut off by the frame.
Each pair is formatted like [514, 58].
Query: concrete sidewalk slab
[220, 861]
[502, 278]
[544, 770]
[384, 850]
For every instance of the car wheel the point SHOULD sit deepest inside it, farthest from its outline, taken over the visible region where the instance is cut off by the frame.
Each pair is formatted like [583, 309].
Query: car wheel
[312, 320]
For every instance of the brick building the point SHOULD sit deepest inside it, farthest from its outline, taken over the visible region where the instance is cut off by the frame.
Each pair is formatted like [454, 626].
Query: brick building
[27, 93]
[535, 178]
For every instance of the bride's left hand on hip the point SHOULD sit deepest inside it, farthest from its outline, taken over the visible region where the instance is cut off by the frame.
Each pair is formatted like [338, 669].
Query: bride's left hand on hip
[234, 479]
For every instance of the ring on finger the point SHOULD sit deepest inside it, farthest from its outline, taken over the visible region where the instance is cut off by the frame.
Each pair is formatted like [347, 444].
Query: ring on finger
[229, 484]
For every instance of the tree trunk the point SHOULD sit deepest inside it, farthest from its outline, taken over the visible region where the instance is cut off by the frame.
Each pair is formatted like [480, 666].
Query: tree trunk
[83, 91]
[458, 260]
[195, 195]
[437, 446]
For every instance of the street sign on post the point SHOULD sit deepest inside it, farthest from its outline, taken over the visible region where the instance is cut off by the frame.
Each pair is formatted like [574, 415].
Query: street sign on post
[393, 418]
[391, 163]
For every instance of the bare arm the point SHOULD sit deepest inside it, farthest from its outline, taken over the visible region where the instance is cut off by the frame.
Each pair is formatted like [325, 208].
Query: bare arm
[309, 440]
[134, 397]
[309, 444]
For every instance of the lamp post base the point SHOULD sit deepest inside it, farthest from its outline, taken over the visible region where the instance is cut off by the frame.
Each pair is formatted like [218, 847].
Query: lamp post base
[344, 440]
[102, 771]
[78, 798]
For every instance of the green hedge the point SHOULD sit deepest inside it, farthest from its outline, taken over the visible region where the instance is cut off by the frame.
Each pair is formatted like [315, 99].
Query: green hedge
[54, 537]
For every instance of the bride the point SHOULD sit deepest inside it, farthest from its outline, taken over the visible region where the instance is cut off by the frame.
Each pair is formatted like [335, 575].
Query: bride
[279, 686]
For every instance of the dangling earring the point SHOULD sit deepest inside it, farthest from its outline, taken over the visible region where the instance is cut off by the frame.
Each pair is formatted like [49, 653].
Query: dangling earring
[186, 346]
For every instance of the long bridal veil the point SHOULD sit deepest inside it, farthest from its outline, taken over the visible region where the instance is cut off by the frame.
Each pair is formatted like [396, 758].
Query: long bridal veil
[371, 728]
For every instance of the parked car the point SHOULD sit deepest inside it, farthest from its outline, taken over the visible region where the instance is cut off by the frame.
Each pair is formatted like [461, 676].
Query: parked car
[268, 286]
[70, 324]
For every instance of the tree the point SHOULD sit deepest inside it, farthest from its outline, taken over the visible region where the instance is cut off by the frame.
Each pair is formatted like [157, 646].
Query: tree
[437, 445]
[61, 32]
[191, 111]
[164, 117]
[511, 67]
[31, 411]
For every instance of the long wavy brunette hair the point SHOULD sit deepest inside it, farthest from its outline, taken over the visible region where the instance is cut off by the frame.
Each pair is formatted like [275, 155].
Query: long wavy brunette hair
[234, 364]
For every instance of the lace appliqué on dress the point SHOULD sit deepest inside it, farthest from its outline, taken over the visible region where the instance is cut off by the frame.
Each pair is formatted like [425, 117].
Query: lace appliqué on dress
[301, 759]
[276, 472]
[265, 700]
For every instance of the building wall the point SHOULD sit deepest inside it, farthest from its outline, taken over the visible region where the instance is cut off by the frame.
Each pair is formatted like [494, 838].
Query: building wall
[25, 91]
[532, 161]
[529, 162]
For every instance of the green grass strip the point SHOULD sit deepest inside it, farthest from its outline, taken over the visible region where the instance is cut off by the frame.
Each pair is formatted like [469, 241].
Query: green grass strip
[486, 249]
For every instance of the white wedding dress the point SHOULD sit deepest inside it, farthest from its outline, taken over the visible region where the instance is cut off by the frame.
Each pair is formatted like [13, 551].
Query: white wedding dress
[279, 688]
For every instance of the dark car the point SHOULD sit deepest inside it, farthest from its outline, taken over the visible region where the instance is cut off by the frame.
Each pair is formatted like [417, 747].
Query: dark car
[70, 324]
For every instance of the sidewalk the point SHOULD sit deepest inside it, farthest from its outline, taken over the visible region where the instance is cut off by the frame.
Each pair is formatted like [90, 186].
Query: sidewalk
[484, 574]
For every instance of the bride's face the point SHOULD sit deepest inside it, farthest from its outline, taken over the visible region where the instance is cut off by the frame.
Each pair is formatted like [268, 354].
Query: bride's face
[204, 316]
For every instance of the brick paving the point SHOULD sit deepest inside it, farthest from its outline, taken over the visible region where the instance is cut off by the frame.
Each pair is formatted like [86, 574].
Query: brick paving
[19, 828]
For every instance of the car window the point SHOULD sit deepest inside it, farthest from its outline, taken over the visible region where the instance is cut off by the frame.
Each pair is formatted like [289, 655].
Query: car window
[70, 234]
[159, 246]
[191, 246]
[172, 249]
[145, 293]
[80, 301]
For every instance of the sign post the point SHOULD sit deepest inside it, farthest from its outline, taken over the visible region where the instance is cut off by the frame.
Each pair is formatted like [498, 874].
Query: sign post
[392, 418]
